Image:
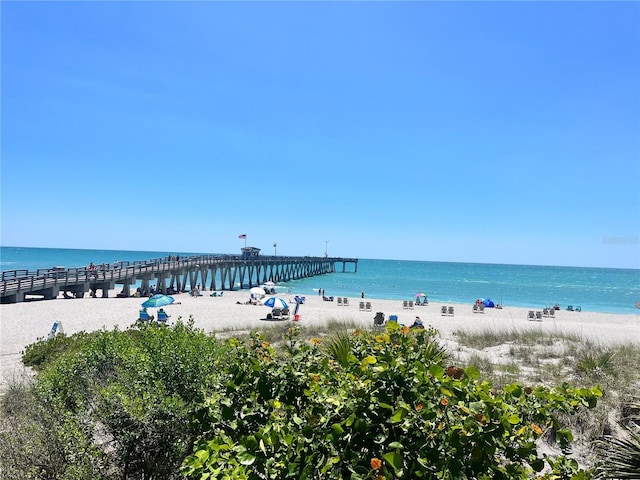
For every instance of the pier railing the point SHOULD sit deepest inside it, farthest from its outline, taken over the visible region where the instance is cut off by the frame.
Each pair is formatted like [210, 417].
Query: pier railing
[221, 272]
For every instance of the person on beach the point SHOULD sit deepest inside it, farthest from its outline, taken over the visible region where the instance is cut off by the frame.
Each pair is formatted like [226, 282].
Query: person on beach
[417, 323]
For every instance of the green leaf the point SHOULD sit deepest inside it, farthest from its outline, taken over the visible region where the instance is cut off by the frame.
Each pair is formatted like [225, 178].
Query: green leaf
[202, 455]
[245, 457]
[537, 465]
[513, 419]
[350, 420]
[394, 459]
[337, 429]
[437, 371]
[472, 372]
[399, 414]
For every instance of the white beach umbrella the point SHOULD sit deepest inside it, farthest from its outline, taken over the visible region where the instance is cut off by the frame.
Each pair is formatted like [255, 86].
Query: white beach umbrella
[257, 291]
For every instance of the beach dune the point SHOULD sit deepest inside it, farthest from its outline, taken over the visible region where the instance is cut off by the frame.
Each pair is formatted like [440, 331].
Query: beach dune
[24, 323]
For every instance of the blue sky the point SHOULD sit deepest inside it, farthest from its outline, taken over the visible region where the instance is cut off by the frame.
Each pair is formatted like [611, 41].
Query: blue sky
[504, 132]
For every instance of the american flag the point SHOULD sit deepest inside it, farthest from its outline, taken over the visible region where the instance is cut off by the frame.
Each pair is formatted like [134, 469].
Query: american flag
[244, 235]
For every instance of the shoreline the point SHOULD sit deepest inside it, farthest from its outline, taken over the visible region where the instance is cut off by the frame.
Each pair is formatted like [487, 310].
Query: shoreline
[24, 323]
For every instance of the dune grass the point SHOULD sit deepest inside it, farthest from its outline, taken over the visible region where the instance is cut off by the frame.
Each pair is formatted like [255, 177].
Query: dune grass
[551, 358]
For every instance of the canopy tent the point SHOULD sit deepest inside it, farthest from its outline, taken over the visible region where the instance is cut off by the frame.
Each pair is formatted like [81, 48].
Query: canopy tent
[488, 303]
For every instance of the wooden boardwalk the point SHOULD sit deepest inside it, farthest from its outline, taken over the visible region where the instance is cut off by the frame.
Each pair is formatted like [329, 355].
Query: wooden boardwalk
[170, 273]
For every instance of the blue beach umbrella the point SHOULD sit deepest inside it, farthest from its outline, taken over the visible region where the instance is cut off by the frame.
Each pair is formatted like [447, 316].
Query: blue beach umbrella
[275, 302]
[158, 300]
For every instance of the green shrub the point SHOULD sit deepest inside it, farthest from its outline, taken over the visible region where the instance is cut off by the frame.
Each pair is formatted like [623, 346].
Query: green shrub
[390, 409]
[137, 390]
[40, 441]
[38, 354]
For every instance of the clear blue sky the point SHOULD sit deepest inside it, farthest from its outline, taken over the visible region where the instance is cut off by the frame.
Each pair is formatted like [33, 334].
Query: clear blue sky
[504, 132]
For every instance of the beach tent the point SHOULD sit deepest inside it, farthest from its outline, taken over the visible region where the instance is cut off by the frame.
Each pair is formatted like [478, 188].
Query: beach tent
[488, 303]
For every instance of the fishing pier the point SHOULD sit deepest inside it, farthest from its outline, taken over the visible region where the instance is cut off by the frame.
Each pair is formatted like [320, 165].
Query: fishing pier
[169, 274]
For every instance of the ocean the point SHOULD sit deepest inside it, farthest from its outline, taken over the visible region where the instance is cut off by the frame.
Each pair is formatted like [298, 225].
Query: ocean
[609, 290]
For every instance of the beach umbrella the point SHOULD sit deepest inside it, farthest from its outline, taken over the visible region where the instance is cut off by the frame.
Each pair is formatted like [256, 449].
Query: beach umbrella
[158, 300]
[420, 295]
[275, 302]
[257, 291]
[270, 284]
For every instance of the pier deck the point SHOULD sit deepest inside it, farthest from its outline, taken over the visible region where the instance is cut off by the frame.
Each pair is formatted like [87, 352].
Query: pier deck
[171, 273]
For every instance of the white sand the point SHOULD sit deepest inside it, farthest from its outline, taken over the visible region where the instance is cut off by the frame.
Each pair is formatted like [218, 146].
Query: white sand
[25, 323]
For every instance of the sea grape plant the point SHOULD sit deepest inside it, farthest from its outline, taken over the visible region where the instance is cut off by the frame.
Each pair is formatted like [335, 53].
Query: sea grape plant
[392, 408]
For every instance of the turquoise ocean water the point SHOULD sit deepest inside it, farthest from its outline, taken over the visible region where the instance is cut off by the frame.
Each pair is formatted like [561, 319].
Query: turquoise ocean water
[593, 289]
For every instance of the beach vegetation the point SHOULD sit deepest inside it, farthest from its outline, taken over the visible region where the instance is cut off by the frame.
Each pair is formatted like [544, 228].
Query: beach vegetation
[133, 394]
[559, 357]
[296, 402]
[337, 345]
[393, 407]
[620, 454]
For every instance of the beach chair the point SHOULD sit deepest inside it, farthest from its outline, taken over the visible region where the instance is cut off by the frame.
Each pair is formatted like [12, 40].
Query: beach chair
[443, 310]
[475, 308]
[545, 312]
[345, 302]
[578, 309]
[361, 306]
[450, 311]
[339, 301]
[538, 316]
[162, 316]
[285, 314]
[276, 313]
[367, 306]
[552, 313]
[481, 308]
[405, 304]
[531, 315]
[569, 308]
[144, 316]
[410, 304]
[393, 318]
[378, 321]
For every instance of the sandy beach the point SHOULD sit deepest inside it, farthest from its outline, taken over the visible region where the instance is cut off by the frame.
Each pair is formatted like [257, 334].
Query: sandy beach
[25, 323]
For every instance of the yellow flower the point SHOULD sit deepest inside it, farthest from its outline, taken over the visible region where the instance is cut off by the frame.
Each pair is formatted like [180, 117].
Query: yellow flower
[419, 407]
[265, 344]
[315, 377]
[405, 330]
[315, 341]
[536, 429]
[376, 463]
[444, 401]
